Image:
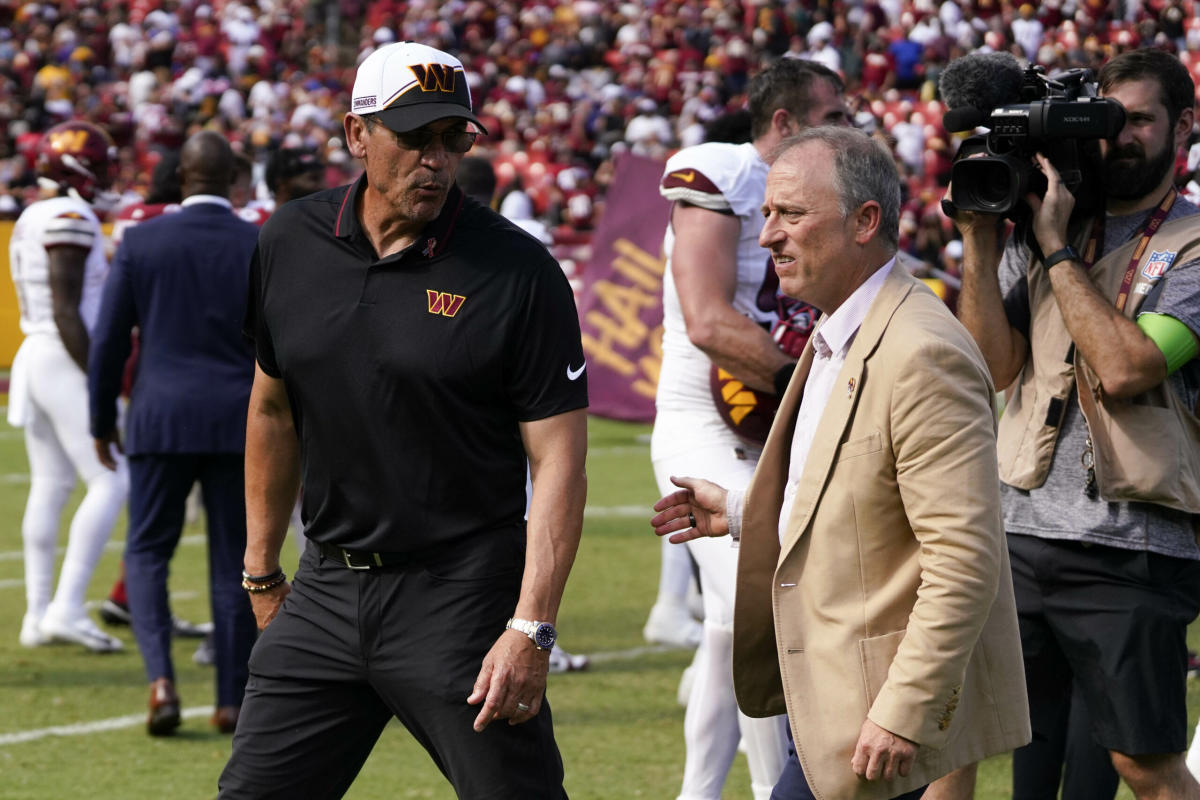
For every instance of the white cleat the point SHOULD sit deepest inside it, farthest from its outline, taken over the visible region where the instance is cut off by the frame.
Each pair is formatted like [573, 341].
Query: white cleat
[562, 661]
[80, 630]
[673, 625]
[31, 632]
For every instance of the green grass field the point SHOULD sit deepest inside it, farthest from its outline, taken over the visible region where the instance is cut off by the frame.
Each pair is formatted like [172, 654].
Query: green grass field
[72, 723]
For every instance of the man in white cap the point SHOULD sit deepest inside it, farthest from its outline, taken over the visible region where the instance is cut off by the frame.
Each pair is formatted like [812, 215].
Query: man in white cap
[415, 352]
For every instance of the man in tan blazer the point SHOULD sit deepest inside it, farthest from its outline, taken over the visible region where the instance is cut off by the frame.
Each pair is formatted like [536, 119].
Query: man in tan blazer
[874, 598]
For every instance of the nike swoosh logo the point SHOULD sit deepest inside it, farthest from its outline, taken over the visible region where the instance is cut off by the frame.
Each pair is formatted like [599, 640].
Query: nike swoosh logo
[686, 177]
[573, 374]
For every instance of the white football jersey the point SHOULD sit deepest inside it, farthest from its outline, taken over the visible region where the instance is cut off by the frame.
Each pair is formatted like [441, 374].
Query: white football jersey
[730, 179]
[57, 222]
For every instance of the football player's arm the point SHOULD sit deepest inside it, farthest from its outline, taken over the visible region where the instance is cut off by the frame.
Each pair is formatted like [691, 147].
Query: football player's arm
[704, 264]
[272, 483]
[66, 292]
[108, 350]
[514, 670]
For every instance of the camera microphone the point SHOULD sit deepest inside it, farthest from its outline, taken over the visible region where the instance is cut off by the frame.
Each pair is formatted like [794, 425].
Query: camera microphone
[974, 85]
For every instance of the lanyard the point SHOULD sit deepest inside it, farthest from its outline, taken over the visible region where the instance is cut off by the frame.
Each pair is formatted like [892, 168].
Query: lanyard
[1096, 241]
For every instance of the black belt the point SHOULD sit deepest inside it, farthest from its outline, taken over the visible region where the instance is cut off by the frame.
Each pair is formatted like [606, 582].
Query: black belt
[361, 559]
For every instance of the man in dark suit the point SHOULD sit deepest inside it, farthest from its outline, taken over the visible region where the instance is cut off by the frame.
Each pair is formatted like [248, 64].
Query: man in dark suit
[182, 279]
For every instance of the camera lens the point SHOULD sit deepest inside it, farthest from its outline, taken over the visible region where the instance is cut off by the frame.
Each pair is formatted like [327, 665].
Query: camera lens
[992, 184]
[993, 187]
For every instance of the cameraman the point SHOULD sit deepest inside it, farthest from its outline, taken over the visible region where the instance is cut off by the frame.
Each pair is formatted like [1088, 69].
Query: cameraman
[1101, 511]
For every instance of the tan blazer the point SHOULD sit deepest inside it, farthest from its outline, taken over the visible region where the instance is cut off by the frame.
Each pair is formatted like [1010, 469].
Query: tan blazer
[891, 596]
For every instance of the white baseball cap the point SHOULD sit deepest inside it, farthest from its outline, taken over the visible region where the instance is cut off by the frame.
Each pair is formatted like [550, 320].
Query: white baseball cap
[407, 85]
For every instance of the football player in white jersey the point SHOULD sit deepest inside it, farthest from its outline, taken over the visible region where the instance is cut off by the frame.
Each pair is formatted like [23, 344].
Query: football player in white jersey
[720, 302]
[57, 255]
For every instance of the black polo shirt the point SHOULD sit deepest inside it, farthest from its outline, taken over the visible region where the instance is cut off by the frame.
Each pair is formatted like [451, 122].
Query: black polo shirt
[408, 376]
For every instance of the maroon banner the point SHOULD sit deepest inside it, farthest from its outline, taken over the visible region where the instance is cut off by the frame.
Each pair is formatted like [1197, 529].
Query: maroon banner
[620, 308]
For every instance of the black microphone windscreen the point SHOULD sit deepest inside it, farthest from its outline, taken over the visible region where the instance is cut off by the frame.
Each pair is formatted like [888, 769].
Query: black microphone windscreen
[964, 118]
[984, 81]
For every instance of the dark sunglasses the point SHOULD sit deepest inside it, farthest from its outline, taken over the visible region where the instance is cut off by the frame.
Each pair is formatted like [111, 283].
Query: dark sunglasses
[455, 141]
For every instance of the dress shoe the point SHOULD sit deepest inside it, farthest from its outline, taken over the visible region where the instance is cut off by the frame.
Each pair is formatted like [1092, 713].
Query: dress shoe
[164, 708]
[225, 718]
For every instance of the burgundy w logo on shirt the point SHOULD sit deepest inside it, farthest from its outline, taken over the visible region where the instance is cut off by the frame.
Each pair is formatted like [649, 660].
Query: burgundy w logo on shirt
[444, 303]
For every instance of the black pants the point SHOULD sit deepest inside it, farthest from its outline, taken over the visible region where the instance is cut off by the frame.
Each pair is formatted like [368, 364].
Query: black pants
[1103, 634]
[1066, 750]
[351, 649]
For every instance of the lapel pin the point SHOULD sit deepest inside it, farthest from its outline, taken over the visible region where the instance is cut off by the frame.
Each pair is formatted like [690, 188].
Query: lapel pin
[850, 388]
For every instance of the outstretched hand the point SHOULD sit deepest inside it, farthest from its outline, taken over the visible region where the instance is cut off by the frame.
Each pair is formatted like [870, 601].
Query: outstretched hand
[697, 510]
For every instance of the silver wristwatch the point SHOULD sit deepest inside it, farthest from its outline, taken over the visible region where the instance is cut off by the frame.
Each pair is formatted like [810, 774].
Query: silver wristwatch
[543, 634]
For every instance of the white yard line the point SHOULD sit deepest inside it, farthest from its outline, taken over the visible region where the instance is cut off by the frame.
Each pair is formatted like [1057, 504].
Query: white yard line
[97, 726]
[621, 450]
[114, 545]
[631, 653]
[601, 512]
[133, 720]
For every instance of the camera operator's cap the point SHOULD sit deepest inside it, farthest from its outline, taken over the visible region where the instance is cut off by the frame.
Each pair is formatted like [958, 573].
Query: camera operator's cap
[407, 85]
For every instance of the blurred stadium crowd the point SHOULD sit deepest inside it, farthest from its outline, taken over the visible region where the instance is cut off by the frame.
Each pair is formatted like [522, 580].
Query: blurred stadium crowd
[564, 86]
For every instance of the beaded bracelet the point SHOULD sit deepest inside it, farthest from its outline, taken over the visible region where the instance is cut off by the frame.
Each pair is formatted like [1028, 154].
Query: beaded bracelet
[270, 576]
[259, 588]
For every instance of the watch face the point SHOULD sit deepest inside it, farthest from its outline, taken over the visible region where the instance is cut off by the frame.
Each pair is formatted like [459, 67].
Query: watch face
[545, 636]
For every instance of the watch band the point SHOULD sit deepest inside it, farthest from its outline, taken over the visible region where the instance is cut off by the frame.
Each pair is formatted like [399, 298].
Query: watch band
[542, 634]
[523, 625]
[1068, 253]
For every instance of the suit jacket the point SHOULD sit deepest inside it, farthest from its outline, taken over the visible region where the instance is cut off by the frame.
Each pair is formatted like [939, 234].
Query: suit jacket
[891, 595]
[182, 279]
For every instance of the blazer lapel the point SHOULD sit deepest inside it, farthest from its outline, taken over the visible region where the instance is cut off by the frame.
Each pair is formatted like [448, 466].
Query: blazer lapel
[843, 399]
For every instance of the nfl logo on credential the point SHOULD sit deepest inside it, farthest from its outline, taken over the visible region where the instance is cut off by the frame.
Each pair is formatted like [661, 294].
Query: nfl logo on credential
[1158, 264]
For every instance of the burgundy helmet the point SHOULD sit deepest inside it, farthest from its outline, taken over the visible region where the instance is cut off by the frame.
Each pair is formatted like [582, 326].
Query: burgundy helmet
[748, 412]
[77, 155]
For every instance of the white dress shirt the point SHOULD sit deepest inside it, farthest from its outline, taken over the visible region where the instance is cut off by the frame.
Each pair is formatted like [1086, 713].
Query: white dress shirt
[207, 198]
[830, 344]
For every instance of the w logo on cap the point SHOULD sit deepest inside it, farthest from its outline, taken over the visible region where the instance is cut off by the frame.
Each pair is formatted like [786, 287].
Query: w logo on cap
[434, 77]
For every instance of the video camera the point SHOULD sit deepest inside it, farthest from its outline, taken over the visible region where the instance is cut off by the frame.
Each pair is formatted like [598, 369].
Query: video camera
[1061, 117]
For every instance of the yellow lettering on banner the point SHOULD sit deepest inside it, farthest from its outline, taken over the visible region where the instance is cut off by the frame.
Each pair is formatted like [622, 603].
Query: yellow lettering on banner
[646, 261]
[651, 364]
[616, 325]
[636, 274]
[624, 305]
